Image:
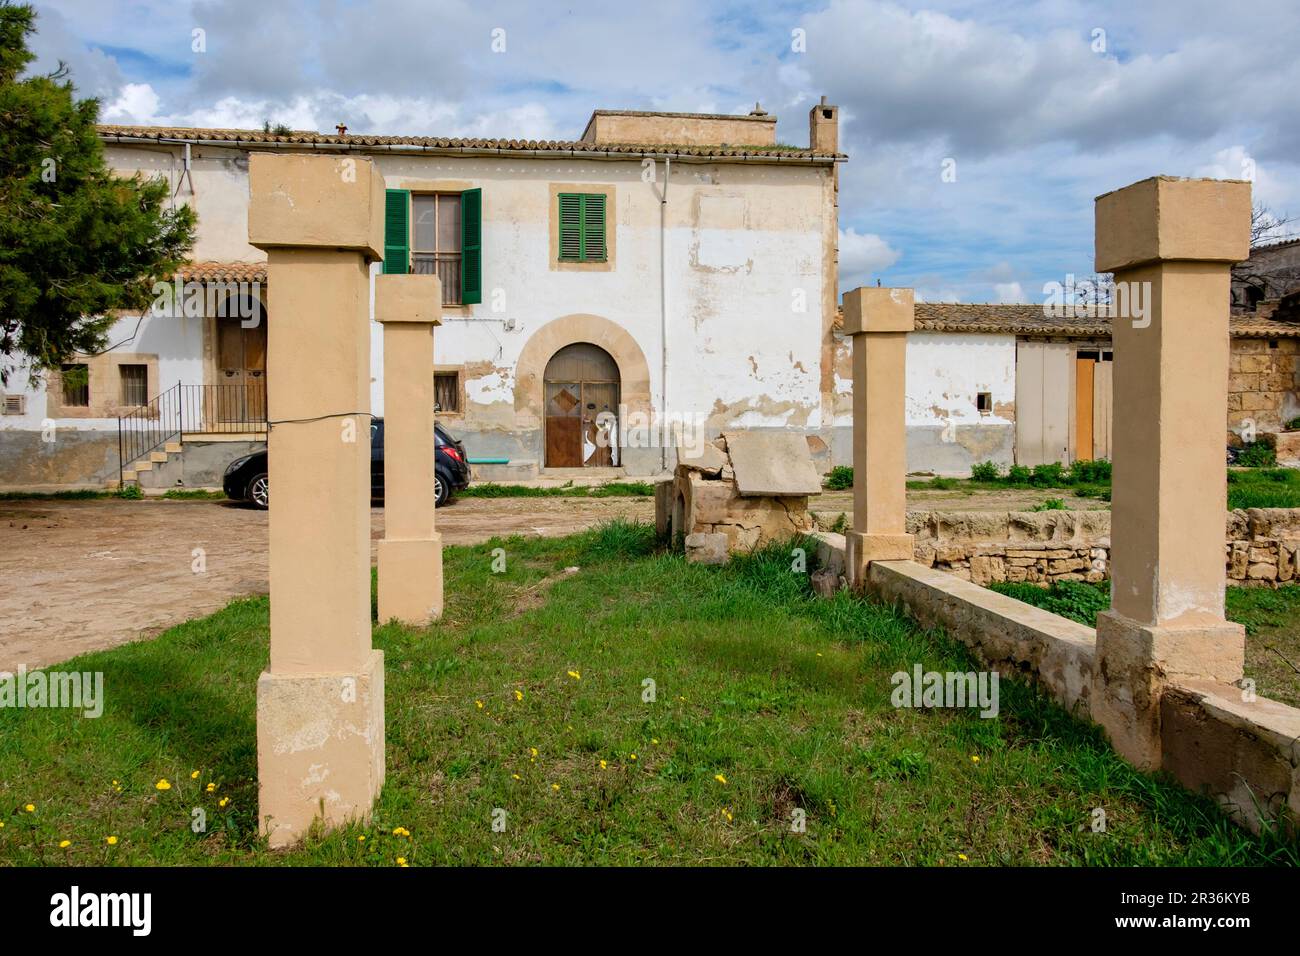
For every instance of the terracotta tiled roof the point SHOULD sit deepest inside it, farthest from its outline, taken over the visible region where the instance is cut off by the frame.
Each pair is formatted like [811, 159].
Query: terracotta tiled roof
[1006, 319]
[1033, 320]
[223, 272]
[364, 143]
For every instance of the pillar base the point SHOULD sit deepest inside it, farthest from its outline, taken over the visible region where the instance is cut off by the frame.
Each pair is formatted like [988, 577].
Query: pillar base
[1135, 661]
[410, 580]
[861, 548]
[320, 749]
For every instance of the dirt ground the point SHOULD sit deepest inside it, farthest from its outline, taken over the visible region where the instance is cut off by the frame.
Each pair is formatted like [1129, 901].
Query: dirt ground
[84, 575]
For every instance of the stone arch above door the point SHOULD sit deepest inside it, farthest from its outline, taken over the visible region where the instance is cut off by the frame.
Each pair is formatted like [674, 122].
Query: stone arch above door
[530, 370]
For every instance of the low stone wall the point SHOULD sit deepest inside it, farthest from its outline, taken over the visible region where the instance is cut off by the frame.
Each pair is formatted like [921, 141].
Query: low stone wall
[1261, 545]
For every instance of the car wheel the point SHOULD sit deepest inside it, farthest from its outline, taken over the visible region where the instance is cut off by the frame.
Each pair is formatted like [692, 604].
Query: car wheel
[259, 492]
[441, 491]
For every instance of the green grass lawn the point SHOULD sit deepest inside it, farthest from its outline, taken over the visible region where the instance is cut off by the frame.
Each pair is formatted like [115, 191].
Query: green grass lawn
[1271, 618]
[529, 697]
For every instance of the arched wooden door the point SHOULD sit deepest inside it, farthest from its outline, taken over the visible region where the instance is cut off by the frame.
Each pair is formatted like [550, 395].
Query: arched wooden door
[581, 393]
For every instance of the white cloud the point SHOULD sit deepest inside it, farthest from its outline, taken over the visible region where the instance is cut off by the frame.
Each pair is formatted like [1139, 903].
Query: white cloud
[1009, 292]
[863, 254]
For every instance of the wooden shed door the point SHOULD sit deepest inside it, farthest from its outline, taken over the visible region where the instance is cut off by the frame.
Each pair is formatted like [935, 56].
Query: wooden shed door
[1044, 377]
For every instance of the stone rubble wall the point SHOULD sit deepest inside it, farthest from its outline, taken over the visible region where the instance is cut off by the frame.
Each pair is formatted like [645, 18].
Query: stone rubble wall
[1261, 545]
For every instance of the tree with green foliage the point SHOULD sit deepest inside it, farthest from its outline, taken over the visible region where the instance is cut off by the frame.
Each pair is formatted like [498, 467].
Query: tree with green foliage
[77, 243]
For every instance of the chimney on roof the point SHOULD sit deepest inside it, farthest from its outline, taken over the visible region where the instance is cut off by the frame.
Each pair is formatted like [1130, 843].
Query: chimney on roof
[342, 128]
[824, 128]
[757, 111]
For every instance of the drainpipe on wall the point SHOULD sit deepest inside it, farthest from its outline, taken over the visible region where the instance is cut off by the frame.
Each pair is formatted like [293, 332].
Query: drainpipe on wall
[663, 316]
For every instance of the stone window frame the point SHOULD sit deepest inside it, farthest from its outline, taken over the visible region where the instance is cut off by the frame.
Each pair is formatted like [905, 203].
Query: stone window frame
[610, 192]
[105, 383]
[459, 372]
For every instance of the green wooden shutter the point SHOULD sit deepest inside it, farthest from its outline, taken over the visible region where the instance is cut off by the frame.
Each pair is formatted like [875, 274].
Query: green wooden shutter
[471, 246]
[570, 227]
[397, 232]
[593, 227]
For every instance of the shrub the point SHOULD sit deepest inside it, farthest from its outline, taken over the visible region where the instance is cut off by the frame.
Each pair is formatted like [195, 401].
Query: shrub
[1048, 476]
[1051, 504]
[839, 478]
[1018, 475]
[1293, 425]
[1091, 472]
[985, 471]
[1257, 454]
[132, 492]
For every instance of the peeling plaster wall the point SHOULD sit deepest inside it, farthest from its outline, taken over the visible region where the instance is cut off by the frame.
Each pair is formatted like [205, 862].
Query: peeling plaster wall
[946, 432]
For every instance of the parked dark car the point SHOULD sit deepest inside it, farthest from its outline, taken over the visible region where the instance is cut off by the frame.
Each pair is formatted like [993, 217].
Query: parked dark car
[246, 477]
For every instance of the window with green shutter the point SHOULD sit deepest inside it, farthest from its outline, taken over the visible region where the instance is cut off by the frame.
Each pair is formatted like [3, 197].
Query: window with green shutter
[582, 227]
[471, 246]
[397, 232]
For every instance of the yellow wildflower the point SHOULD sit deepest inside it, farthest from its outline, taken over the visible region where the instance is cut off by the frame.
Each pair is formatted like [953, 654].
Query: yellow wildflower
[64, 844]
[519, 695]
[401, 861]
[604, 765]
[720, 778]
[31, 808]
[194, 775]
[516, 776]
[654, 740]
[478, 704]
[212, 787]
[632, 756]
[111, 841]
[162, 784]
[575, 675]
[223, 801]
[974, 758]
[961, 856]
[555, 786]
[362, 838]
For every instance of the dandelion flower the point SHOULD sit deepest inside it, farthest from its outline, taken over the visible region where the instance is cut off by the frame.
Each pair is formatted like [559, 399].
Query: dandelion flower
[604, 765]
[961, 856]
[401, 861]
[362, 838]
[111, 841]
[974, 758]
[519, 695]
[555, 786]
[212, 787]
[162, 784]
[533, 751]
[64, 844]
[401, 832]
[516, 776]
[223, 801]
[632, 756]
[720, 778]
[478, 704]
[2, 824]
[654, 740]
[575, 675]
[194, 775]
[30, 808]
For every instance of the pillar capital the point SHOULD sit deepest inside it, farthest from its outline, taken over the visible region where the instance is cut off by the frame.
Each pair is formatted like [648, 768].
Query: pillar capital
[308, 201]
[870, 309]
[415, 299]
[1165, 218]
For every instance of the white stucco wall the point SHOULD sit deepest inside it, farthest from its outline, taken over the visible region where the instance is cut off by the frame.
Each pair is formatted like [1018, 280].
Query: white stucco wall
[747, 274]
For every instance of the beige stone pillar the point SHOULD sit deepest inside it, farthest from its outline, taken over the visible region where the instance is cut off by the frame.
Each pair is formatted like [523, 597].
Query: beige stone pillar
[320, 705]
[410, 556]
[1170, 244]
[878, 320]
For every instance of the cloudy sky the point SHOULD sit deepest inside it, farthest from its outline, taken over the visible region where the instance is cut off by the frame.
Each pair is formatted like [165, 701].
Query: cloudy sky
[1036, 107]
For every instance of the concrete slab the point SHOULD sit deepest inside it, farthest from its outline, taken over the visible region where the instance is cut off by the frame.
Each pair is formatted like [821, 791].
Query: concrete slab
[772, 463]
